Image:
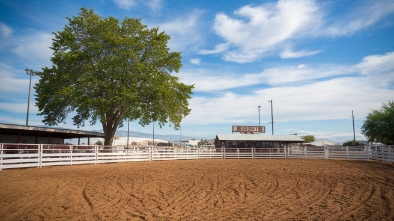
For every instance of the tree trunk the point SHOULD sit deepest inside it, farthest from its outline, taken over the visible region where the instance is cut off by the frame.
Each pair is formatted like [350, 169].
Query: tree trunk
[109, 133]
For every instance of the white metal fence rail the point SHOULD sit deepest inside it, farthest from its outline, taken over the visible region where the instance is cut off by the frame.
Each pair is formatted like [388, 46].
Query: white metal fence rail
[40, 155]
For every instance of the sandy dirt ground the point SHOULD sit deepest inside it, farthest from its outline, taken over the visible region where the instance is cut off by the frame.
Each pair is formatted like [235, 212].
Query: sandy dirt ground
[201, 190]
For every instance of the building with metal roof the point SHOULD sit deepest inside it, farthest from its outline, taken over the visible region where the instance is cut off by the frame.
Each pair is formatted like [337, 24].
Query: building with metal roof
[256, 140]
[11, 133]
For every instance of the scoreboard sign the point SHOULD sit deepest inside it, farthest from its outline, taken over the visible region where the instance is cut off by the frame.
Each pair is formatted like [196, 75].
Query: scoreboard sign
[249, 129]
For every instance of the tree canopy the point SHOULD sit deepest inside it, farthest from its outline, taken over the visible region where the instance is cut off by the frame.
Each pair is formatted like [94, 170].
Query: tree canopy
[109, 71]
[379, 124]
[308, 138]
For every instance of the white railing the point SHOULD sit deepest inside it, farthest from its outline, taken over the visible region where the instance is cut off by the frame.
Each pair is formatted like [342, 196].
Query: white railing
[40, 155]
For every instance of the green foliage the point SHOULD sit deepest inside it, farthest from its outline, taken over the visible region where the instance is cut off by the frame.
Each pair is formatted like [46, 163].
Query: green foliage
[99, 142]
[379, 124]
[109, 71]
[350, 143]
[308, 138]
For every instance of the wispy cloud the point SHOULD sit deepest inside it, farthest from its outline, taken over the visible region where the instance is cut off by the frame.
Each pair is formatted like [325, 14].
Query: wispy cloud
[184, 31]
[362, 16]
[34, 48]
[196, 61]
[14, 85]
[378, 67]
[302, 92]
[5, 31]
[289, 53]
[129, 4]
[218, 80]
[255, 31]
[325, 100]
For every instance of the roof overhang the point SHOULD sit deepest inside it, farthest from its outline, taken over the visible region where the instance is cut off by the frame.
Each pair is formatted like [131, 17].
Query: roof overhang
[260, 137]
[12, 129]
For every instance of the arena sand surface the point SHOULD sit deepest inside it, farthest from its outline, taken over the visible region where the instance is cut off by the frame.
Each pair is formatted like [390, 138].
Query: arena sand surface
[201, 190]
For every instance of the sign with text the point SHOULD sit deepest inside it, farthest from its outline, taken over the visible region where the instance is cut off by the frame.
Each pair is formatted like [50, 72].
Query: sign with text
[249, 129]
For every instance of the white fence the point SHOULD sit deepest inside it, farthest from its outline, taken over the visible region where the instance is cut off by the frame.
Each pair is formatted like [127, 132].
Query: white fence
[40, 155]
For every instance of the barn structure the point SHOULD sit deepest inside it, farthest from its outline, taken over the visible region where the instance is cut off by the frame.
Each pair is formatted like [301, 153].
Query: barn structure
[11, 133]
[256, 141]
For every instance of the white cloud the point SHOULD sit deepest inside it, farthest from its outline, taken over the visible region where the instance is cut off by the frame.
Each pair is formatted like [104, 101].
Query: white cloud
[129, 4]
[289, 53]
[303, 92]
[19, 107]
[5, 31]
[34, 47]
[332, 99]
[217, 80]
[296, 74]
[378, 67]
[11, 84]
[154, 4]
[256, 31]
[260, 29]
[196, 61]
[218, 49]
[125, 4]
[184, 31]
[360, 18]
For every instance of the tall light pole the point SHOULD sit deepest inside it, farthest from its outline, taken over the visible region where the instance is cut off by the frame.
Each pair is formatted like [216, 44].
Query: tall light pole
[31, 73]
[354, 132]
[258, 107]
[272, 117]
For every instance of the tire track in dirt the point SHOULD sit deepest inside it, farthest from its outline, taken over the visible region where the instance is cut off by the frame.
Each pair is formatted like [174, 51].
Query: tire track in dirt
[204, 190]
[85, 196]
[32, 205]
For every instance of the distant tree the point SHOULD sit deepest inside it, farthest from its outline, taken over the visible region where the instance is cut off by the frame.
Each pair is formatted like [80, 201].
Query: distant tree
[109, 71]
[379, 124]
[350, 143]
[308, 138]
[99, 142]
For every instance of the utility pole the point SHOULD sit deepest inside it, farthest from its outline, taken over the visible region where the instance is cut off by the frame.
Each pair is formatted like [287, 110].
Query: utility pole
[354, 133]
[258, 107]
[31, 73]
[272, 117]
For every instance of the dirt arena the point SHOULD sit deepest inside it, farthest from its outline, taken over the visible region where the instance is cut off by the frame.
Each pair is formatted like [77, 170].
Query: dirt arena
[201, 190]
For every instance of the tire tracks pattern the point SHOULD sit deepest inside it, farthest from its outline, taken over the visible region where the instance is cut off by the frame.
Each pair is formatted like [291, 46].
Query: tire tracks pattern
[203, 190]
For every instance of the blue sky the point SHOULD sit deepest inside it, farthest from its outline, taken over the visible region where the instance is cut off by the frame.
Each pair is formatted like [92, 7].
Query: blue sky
[316, 60]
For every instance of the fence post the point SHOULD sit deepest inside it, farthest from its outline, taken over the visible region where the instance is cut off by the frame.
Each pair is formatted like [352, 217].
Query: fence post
[70, 152]
[117, 151]
[96, 150]
[223, 153]
[285, 151]
[305, 152]
[40, 152]
[326, 152]
[150, 153]
[1, 156]
[347, 152]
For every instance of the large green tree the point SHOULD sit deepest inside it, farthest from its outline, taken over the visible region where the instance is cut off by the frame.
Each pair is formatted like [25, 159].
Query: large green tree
[379, 124]
[308, 138]
[109, 71]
